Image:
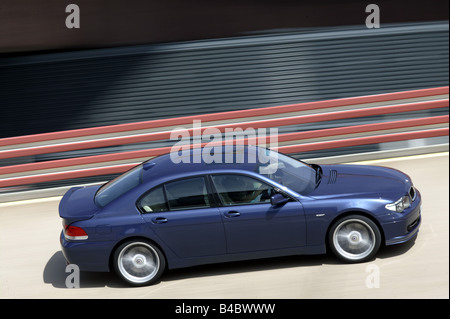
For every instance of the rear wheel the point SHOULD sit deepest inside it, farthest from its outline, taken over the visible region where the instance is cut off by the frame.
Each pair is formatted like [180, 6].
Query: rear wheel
[354, 239]
[139, 262]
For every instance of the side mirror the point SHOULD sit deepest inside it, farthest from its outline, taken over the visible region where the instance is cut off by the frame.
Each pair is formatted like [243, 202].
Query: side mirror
[278, 199]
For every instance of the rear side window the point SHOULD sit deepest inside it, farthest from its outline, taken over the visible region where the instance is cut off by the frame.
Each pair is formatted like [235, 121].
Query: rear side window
[189, 193]
[154, 201]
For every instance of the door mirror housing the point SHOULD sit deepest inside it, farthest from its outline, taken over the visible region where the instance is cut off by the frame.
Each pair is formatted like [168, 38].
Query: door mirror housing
[278, 199]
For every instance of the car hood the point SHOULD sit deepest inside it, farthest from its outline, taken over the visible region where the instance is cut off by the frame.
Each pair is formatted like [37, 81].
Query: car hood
[361, 181]
[78, 204]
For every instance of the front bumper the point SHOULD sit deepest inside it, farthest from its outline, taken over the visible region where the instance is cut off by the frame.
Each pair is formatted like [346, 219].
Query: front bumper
[404, 226]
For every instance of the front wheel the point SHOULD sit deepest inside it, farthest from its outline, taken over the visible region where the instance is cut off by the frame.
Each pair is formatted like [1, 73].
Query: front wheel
[139, 262]
[354, 239]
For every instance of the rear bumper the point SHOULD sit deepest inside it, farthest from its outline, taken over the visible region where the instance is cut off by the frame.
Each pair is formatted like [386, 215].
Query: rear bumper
[88, 256]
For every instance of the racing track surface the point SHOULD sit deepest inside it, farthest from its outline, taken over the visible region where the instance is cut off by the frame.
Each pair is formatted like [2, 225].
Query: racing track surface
[32, 265]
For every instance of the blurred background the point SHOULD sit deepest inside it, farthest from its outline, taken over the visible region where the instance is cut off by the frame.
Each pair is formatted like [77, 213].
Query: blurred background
[140, 60]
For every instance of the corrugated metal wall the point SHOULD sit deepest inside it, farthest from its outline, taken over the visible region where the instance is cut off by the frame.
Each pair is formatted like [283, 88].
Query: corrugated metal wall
[60, 91]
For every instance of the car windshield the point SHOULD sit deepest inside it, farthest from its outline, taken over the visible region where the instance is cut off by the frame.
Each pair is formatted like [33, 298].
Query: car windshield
[290, 172]
[118, 186]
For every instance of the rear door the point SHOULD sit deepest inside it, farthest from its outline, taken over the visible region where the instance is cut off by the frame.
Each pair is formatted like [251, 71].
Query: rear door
[184, 217]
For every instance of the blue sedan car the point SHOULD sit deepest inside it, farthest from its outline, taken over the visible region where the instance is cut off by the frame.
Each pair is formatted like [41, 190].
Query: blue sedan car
[167, 213]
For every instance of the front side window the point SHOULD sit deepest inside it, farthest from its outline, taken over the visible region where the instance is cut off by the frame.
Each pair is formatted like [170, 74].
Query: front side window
[234, 189]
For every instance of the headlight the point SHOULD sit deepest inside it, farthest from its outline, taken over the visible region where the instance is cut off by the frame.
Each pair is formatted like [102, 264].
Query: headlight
[400, 205]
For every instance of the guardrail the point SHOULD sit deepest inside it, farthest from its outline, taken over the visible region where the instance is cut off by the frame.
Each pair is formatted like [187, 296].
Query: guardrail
[268, 117]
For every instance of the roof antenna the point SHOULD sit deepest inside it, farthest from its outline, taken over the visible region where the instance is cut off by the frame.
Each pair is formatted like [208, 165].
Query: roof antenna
[148, 165]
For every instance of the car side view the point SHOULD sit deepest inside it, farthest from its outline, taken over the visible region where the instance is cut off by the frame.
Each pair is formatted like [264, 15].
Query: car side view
[165, 214]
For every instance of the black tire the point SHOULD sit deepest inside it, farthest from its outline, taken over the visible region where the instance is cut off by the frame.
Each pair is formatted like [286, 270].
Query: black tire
[139, 262]
[354, 239]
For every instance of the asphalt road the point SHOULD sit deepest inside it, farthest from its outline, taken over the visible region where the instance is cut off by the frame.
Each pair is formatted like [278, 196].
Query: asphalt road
[32, 265]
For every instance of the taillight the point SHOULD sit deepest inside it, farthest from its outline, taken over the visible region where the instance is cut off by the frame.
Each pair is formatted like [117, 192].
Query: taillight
[74, 233]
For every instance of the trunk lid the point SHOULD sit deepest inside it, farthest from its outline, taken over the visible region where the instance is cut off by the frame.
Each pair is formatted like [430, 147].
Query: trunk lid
[78, 204]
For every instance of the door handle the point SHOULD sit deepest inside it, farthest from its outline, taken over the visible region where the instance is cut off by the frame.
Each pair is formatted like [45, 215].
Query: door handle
[159, 220]
[232, 213]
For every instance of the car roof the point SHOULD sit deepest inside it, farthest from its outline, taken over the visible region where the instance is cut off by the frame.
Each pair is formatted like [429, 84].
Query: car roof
[197, 160]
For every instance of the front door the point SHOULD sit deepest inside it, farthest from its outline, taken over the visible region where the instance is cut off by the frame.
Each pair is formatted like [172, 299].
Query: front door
[251, 222]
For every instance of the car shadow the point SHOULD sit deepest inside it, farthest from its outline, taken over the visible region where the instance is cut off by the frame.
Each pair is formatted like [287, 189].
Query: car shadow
[245, 266]
[276, 263]
[56, 275]
[396, 250]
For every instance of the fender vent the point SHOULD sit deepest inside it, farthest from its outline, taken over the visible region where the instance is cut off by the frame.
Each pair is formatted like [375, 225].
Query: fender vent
[333, 177]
